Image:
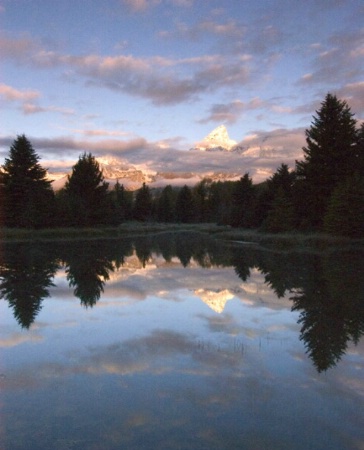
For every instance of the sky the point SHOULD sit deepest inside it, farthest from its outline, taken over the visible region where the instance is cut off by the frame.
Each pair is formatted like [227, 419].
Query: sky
[144, 80]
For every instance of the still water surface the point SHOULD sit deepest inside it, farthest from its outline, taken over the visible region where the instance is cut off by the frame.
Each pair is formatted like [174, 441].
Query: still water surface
[180, 342]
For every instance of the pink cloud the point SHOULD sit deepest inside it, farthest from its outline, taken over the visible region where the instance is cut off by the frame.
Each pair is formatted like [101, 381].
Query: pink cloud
[11, 94]
[16, 48]
[30, 108]
[143, 5]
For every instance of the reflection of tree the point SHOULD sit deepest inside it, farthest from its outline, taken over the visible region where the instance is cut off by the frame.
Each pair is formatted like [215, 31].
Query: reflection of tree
[166, 246]
[327, 290]
[332, 309]
[121, 249]
[143, 250]
[88, 267]
[26, 274]
[184, 251]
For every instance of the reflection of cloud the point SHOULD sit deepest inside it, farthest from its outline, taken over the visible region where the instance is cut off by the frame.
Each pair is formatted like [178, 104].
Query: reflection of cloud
[159, 352]
[223, 324]
[18, 338]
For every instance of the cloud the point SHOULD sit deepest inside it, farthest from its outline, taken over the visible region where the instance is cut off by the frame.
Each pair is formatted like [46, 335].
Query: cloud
[98, 132]
[340, 58]
[163, 81]
[143, 5]
[353, 93]
[27, 98]
[9, 93]
[225, 113]
[16, 48]
[231, 112]
[231, 29]
[140, 5]
[31, 108]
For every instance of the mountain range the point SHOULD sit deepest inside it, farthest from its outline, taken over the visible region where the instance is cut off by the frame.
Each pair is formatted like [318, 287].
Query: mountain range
[216, 157]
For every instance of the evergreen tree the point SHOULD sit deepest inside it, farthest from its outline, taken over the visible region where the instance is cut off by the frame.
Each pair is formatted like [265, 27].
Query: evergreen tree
[219, 202]
[185, 206]
[143, 204]
[345, 212]
[28, 196]
[243, 203]
[281, 214]
[201, 193]
[283, 179]
[121, 204]
[2, 199]
[87, 193]
[278, 201]
[359, 154]
[329, 158]
[166, 205]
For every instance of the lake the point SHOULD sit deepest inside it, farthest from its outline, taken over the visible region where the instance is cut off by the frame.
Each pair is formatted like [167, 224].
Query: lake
[180, 341]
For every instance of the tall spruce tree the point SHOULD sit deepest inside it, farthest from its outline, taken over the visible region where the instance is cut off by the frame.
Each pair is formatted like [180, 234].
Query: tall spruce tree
[121, 204]
[143, 204]
[87, 193]
[345, 212]
[27, 194]
[165, 205]
[185, 206]
[243, 203]
[278, 201]
[329, 158]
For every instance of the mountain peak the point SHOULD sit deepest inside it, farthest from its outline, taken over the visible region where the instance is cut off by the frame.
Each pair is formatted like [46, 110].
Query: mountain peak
[218, 139]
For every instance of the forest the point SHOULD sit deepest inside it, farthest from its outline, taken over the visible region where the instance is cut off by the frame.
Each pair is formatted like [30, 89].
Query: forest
[324, 192]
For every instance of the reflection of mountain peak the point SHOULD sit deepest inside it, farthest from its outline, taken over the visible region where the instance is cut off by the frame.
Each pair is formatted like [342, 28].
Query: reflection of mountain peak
[215, 299]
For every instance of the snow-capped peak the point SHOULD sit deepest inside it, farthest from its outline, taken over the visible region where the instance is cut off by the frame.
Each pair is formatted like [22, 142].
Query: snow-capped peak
[218, 139]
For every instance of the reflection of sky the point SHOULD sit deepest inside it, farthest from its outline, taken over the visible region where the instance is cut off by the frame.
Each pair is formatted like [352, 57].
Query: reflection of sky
[151, 363]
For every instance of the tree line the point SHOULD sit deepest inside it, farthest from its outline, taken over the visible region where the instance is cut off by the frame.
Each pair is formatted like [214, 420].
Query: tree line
[323, 192]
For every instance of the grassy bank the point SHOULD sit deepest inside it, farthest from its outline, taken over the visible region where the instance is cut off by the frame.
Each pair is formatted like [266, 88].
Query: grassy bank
[238, 236]
[122, 231]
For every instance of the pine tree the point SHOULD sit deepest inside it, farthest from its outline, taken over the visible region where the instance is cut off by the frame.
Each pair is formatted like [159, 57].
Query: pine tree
[185, 206]
[281, 214]
[359, 153]
[345, 212]
[28, 196]
[87, 193]
[121, 204]
[166, 205]
[143, 204]
[329, 158]
[278, 201]
[243, 203]
[201, 194]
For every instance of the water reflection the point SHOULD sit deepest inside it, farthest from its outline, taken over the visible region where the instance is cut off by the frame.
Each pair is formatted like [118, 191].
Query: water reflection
[87, 269]
[26, 273]
[327, 290]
